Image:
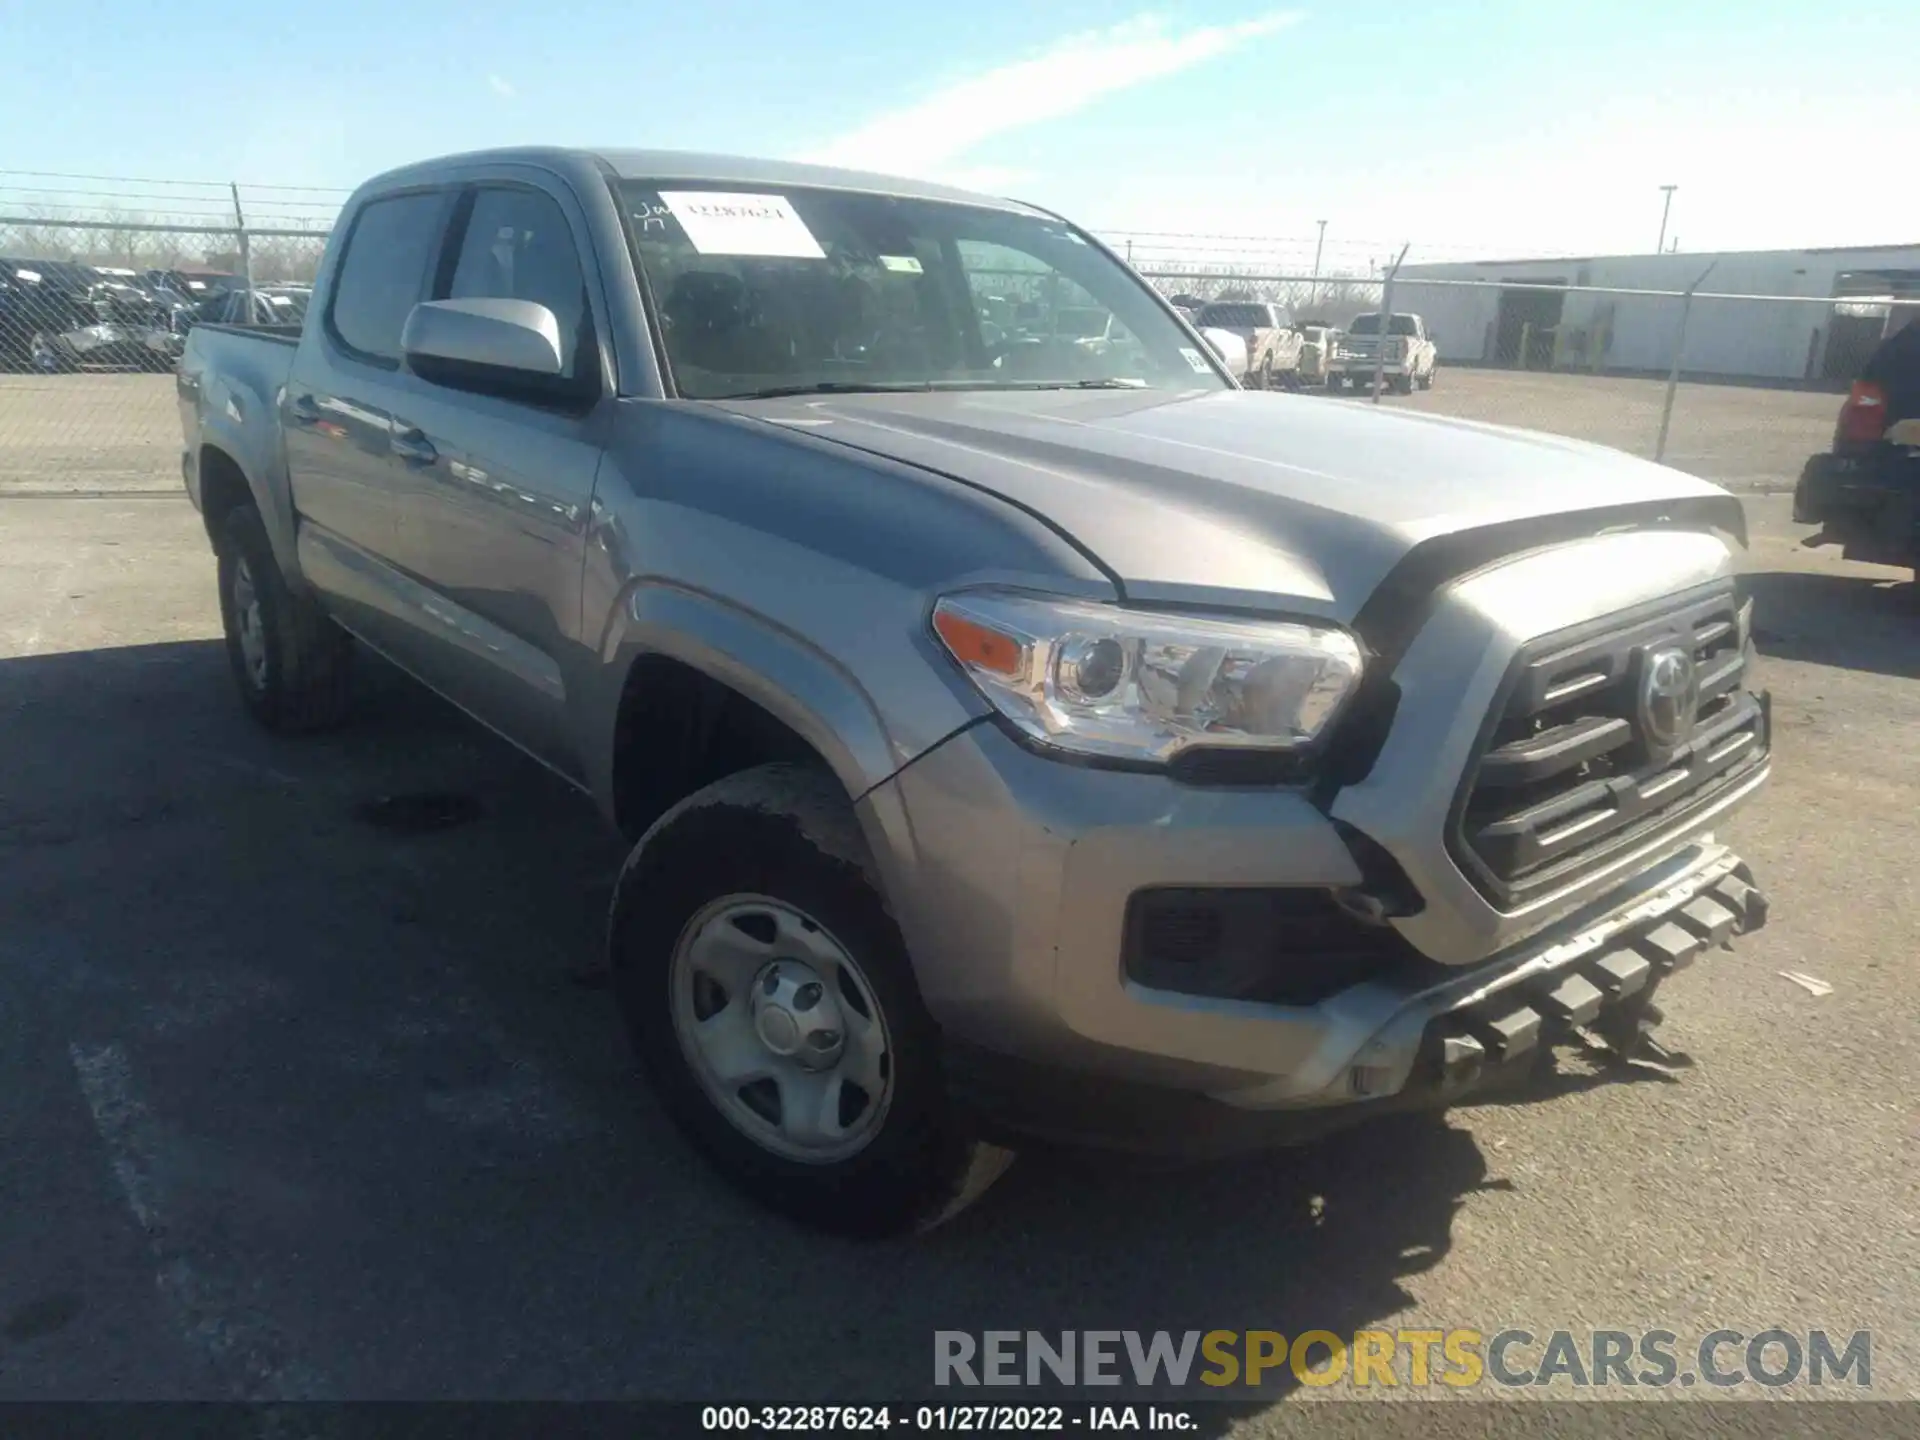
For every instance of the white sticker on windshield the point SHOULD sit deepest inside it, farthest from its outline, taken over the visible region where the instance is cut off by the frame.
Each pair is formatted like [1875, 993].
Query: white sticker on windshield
[904, 264]
[1196, 360]
[719, 222]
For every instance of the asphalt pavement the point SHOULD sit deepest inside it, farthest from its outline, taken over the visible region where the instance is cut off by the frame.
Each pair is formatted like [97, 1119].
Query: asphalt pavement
[301, 1098]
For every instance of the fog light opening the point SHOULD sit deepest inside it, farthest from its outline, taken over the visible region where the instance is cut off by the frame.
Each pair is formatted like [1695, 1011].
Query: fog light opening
[1369, 1081]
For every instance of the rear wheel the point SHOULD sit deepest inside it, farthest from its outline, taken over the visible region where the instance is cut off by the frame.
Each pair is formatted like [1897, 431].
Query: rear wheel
[290, 661]
[769, 996]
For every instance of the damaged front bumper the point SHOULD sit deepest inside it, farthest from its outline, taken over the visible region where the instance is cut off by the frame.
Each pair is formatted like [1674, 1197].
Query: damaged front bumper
[1426, 1039]
[1434, 1043]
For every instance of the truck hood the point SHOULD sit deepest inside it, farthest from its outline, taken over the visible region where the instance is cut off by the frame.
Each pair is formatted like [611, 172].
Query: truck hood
[1241, 499]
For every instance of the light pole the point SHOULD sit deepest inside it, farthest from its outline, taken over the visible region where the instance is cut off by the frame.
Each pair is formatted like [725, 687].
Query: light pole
[1665, 207]
[1313, 297]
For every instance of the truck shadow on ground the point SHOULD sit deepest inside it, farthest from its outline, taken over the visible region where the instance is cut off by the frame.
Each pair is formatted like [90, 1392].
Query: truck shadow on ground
[379, 1040]
[1857, 622]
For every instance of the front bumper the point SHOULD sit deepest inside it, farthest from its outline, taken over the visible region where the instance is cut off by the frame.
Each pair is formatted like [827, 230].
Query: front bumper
[1012, 873]
[1363, 365]
[1435, 1048]
[1014, 912]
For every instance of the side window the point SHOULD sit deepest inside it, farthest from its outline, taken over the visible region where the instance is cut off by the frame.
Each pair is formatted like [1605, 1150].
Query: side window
[382, 273]
[517, 246]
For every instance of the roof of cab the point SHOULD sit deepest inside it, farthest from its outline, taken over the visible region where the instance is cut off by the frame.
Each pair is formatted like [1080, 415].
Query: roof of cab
[689, 167]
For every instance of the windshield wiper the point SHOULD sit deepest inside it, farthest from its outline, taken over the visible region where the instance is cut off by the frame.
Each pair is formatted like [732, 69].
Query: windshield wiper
[1115, 383]
[919, 387]
[832, 387]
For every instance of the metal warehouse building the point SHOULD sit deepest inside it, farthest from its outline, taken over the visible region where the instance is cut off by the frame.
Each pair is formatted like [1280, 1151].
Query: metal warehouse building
[1867, 290]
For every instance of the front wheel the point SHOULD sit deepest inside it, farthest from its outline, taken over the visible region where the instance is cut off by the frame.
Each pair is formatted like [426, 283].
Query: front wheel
[769, 996]
[1426, 380]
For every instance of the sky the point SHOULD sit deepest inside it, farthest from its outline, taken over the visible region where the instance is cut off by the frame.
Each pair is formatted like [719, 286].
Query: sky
[1485, 129]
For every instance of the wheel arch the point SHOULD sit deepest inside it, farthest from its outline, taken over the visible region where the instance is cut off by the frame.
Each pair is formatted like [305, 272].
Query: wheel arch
[695, 688]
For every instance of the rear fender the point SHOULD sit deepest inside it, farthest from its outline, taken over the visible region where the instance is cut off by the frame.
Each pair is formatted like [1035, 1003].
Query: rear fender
[244, 427]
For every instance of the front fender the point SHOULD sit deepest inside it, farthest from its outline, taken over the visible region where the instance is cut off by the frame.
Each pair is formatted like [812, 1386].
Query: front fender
[793, 680]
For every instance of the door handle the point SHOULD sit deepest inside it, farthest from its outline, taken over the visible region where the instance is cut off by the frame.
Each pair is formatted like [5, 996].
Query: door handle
[412, 446]
[302, 411]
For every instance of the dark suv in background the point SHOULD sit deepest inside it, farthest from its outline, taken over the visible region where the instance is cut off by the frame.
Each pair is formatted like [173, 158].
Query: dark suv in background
[1865, 491]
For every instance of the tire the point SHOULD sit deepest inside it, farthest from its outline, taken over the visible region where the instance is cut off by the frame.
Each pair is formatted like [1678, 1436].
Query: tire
[1426, 380]
[769, 869]
[291, 663]
[1403, 384]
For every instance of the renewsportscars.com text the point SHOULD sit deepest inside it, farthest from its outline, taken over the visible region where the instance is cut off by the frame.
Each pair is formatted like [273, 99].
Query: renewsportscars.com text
[1460, 1358]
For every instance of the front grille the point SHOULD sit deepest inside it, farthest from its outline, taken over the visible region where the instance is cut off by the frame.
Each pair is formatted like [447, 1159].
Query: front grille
[1569, 771]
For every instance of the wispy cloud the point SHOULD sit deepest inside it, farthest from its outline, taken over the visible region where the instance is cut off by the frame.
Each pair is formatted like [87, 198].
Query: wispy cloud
[925, 138]
[501, 86]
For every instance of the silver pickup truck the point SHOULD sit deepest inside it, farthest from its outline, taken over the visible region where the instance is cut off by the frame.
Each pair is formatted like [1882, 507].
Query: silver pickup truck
[1405, 360]
[1016, 740]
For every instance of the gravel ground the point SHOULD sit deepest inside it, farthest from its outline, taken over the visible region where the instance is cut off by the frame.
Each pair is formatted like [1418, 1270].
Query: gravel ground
[301, 1106]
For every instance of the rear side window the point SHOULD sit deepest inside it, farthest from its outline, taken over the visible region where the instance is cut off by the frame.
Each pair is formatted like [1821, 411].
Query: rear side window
[382, 273]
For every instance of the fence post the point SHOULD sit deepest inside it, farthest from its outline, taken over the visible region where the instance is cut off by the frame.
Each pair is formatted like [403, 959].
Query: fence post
[1673, 371]
[246, 252]
[1386, 324]
[1526, 344]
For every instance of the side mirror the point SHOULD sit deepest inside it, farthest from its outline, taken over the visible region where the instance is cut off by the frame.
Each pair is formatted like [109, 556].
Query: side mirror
[518, 336]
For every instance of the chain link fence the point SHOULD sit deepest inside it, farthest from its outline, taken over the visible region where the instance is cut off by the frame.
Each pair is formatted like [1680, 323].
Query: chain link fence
[1737, 387]
[94, 314]
[1733, 384]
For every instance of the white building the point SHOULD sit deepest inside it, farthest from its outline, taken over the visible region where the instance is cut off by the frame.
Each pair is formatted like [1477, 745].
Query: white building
[1865, 289]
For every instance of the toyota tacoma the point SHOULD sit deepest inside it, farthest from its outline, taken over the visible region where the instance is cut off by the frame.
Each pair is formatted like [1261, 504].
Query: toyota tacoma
[1017, 739]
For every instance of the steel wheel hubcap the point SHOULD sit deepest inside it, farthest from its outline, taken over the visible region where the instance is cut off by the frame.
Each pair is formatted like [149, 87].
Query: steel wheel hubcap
[252, 628]
[781, 1028]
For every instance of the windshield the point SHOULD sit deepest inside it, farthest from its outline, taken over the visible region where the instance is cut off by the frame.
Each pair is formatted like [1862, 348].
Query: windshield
[801, 289]
[1370, 325]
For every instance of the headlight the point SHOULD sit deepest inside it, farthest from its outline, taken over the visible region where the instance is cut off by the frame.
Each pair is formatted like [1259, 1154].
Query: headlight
[1129, 684]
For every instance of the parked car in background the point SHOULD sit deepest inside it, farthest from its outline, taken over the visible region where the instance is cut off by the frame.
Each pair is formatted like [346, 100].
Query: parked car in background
[58, 316]
[1405, 356]
[1864, 493]
[268, 305]
[1188, 305]
[197, 286]
[37, 298]
[1036, 740]
[1273, 345]
[1228, 348]
[1317, 342]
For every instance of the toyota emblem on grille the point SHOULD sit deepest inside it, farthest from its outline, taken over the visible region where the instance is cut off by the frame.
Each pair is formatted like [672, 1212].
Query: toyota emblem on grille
[1669, 698]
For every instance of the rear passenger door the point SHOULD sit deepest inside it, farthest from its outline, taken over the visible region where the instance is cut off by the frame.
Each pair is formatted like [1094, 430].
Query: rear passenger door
[346, 400]
[494, 498]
